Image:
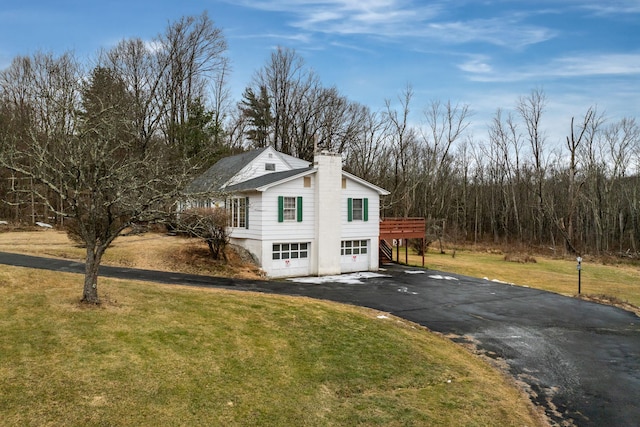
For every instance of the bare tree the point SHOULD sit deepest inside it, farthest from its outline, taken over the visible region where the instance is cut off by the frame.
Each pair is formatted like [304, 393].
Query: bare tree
[566, 225]
[92, 142]
[446, 124]
[402, 138]
[190, 53]
[531, 109]
[288, 82]
[208, 224]
[365, 151]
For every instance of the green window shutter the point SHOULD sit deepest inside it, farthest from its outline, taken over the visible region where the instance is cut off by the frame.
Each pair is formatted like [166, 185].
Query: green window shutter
[349, 209]
[246, 212]
[365, 209]
[299, 206]
[280, 208]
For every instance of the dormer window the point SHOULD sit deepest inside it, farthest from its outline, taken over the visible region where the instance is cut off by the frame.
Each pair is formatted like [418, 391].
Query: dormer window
[269, 166]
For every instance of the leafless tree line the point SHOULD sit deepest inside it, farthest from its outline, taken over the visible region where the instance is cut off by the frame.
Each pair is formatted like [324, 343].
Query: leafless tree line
[508, 186]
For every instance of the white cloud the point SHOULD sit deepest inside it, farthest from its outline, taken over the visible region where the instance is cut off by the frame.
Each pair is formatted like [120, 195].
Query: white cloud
[614, 7]
[406, 19]
[476, 65]
[586, 65]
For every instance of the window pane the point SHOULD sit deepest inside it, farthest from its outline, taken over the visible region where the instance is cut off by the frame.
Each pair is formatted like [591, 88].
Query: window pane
[356, 251]
[294, 246]
[294, 255]
[285, 255]
[285, 246]
[348, 243]
[347, 252]
[303, 246]
[303, 254]
[290, 208]
[363, 243]
[276, 247]
[276, 255]
[357, 209]
[363, 251]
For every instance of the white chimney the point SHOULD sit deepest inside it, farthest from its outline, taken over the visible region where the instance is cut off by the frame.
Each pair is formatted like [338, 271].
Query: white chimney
[328, 211]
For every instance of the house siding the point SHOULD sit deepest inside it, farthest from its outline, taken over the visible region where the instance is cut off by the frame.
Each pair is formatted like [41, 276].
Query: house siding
[359, 229]
[295, 231]
[320, 226]
[272, 230]
[257, 167]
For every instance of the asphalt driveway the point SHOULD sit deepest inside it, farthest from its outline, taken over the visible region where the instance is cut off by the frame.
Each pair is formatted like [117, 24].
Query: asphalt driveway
[580, 360]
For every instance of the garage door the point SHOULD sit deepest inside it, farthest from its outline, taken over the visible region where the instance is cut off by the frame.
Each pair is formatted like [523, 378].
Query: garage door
[354, 255]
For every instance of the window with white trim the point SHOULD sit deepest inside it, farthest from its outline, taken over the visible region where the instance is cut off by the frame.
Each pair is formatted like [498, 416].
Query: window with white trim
[239, 212]
[289, 209]
[290, 250]
[353, 247]
[357, 209]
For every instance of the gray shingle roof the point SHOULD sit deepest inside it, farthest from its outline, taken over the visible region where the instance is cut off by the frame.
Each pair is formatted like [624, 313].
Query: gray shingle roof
[218, 174]
[267, 179]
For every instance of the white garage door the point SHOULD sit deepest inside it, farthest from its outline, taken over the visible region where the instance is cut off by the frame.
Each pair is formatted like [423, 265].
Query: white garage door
[354, 255]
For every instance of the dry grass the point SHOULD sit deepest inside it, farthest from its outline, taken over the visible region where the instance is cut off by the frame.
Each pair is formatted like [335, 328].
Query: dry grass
[152, 251]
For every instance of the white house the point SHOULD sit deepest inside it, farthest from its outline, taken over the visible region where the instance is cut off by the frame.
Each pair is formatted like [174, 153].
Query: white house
[297, 218]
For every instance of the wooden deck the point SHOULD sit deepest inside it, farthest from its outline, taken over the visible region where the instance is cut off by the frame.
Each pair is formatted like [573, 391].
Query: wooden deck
[400, 230]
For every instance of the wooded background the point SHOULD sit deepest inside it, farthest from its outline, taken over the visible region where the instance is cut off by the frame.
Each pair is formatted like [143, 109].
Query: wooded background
[508, 185]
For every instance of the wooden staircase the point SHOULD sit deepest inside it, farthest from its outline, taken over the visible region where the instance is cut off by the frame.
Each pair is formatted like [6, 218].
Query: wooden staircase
[385, 252]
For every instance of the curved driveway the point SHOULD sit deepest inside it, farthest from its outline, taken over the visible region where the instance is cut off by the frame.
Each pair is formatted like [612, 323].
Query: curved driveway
[580, 360]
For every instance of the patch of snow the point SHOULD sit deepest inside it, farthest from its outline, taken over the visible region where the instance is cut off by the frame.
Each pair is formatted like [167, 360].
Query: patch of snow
[500, 281]
[440, 277]
[382, 316]
[405, 290]
[414, 272]
[3, 223]
[44, 224]
[349, 279]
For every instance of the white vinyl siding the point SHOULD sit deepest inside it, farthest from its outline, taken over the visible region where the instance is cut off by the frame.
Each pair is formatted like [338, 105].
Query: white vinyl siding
[267, 162]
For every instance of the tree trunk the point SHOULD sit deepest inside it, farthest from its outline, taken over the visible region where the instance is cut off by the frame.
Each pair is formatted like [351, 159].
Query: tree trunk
[92, 264]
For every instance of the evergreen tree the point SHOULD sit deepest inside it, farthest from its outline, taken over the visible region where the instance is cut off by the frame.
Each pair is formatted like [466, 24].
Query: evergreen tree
[257, 109]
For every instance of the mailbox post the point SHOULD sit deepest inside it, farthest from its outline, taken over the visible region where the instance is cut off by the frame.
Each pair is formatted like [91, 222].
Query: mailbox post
[579, 267]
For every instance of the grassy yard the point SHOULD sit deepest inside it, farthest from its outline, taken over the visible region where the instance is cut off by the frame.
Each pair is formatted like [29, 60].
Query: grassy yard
[156, 354]
[619, 283]
[161, 355]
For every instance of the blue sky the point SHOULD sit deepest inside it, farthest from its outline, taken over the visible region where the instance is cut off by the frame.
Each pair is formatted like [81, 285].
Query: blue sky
[485, 53]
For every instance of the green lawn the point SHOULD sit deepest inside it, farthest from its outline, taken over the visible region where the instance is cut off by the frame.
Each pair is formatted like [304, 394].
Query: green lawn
[168, 356]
